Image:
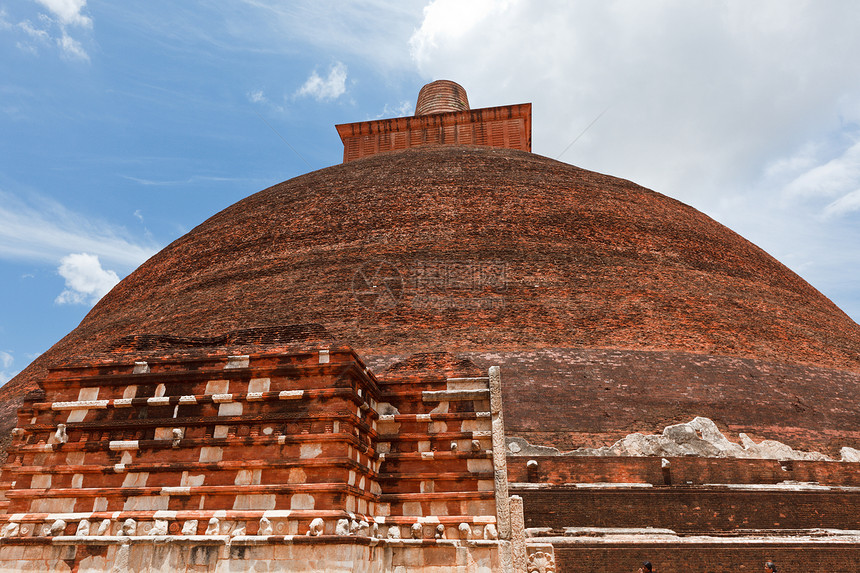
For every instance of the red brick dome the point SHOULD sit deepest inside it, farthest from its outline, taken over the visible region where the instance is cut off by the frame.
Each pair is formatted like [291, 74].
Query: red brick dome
[610, 308]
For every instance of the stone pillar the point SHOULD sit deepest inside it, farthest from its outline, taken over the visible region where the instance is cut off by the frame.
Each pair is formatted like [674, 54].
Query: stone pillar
[518, 535]
[500, 465]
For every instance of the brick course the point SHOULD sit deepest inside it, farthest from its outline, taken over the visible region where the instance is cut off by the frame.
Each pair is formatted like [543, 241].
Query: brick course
[709, 558]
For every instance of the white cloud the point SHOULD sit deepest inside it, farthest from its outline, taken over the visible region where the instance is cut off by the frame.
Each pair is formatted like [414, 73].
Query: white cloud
[54, 28]
[86, 280]
[44, 230]
[6, 362]
[439, 27]
[71, 48]
[257, 96]
[33, 32]
[68, 11]
[328, 88]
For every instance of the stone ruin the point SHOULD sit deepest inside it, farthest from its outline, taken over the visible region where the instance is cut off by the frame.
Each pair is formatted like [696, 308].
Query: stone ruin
[301, 457]
[698, 437]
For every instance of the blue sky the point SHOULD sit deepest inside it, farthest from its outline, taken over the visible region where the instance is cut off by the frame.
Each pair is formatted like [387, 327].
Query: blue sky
[124, 125]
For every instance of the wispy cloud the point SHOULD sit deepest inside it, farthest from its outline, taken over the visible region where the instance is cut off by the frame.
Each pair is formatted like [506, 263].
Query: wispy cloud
[33, 32]
[402, 109]
[86, 280]
[71, 48]
[186, 181]
[348, 28]
[846, 204]
[6, 362]
[44, 230]
[323, 89]
[829, 178]
[258, 97]
[54, 28]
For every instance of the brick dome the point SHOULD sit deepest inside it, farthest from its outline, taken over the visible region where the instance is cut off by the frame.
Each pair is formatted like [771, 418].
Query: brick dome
[609, 307]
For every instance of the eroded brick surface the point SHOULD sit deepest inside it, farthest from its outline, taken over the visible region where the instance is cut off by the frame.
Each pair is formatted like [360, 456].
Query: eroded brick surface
[251, 433]
[578, 261]
[708, 557]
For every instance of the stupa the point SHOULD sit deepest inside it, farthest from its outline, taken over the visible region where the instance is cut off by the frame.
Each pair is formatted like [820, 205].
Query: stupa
[447, 353]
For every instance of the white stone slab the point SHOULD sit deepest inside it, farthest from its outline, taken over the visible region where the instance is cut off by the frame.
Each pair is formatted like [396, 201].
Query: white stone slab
[80, 404]
[119, 445]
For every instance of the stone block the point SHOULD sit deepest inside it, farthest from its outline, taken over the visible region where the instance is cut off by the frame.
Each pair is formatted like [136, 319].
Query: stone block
[134, 479]
[217, 387]
[211, 454]
[230, 409]
[311, 450]
[40, 481]
[146, 503]
[86, 394]
[302, 501]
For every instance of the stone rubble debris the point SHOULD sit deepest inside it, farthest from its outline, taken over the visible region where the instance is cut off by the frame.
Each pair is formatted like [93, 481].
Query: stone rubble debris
[699, 437]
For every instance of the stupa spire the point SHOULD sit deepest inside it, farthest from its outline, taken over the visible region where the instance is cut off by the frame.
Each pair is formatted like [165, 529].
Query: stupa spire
[441, 96]
[442, 117]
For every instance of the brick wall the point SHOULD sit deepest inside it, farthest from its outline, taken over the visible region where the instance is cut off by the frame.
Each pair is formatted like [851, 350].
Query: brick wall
[709, 558]
[681, 471]
[700, 510]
